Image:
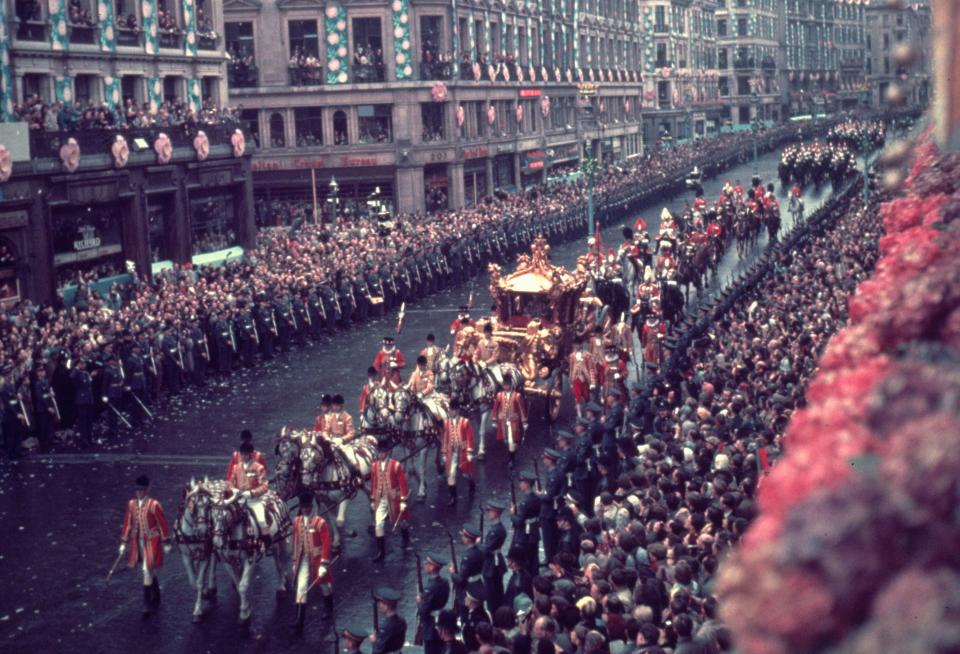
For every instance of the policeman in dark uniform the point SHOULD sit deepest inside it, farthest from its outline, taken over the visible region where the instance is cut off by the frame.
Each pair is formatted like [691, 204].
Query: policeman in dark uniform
[550, 500]
[436, 592]
[476, 614]
[494, 566]
[45, 407]
[392, 633]
[246, 334]
[223, 342]
[12, 415]
[266, 326]
[111, 391]
[585, 468]
[83, 401]
[526, 523]
[567, 462]
[470, 570]
[285, 322]
[171, 359]
[134, 384]
[198, 345]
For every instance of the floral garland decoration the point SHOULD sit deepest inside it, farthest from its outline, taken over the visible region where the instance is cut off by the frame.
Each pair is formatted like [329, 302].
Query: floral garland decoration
[6, 163]
[439, 92]
[336, 31]
[201, 145]
[401, 38]
[239, 143]
[120, 151]
[70, 155]
[59, 42]
[164, 148]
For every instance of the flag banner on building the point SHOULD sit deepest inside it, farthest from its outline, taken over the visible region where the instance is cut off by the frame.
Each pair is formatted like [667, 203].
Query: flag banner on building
[336, 31]
[472, 37]
[108, 39]
[401, 39]
[149, 12]
[190, 27]
[576, 35]
[503, 33]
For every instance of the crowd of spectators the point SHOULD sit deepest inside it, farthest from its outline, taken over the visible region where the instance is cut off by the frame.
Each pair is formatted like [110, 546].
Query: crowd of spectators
[637, 574]
[79, 14]
[305, 68]
[69, 116]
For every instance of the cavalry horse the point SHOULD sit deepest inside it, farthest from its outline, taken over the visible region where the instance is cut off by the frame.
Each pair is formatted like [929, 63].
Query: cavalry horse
[331, 470]
[245, 530]
[193, 534]
[408, 422]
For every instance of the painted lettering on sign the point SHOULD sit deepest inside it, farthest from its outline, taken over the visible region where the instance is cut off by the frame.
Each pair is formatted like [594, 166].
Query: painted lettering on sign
[475, 153]
[88, 238]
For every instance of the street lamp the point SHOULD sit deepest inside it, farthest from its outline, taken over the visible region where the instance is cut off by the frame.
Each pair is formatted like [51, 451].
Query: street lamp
[332, 197]
[588, 167]
[755, 128]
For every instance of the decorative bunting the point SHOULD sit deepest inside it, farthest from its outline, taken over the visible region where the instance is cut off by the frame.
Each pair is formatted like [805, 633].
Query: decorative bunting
[336, 31]
[189, 26]
[149, 13]
[108, 38]
[194, 95]
[59, 41]
[401, 39]
[6, 80]
[63, 89]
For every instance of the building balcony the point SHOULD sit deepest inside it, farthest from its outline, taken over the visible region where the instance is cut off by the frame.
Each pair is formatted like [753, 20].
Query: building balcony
[372, 73]
[306, 75]
[242, 76]
[171, 39]
[744, 64]
[207, 40]
[84, 34]
[32, 30]
[436, 70]
[129, 37]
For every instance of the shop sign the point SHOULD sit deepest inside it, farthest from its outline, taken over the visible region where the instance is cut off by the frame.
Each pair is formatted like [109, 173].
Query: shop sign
[88, 238]
[530, 93]
[587, 88]
[534, 159]
[89, 193]
[215, 178]
[475, 153]
[266, 165]
[563, 152]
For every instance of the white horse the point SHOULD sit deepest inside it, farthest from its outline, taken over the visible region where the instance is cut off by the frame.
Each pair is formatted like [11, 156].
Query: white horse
[244, 531]
[334, 471]
[418, 422]
[193, 533]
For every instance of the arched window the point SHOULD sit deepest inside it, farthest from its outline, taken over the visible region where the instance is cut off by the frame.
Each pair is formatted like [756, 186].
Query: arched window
[277, 139]
[339, 127]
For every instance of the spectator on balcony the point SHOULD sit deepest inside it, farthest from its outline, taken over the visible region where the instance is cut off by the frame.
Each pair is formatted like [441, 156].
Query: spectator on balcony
[205, 25]
[79, 15]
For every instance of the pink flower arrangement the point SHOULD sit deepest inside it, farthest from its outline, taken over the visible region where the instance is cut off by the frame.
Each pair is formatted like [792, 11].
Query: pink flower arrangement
[238, 142]
[120, 151]
[847, 553]
[439, 92]
[201, 145]
[164, 148]
[70, 155]
[6, 163]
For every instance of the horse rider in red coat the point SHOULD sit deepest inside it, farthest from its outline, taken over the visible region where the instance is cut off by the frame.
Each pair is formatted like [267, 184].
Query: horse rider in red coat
[237, 458]
[389, 361]
[311, 559]
[325, 402]
[388, 499]
[147, 535]
[511, 415]
[457, 447]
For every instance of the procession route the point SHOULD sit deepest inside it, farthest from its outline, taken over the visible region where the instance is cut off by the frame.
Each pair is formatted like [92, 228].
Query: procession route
[79, 458]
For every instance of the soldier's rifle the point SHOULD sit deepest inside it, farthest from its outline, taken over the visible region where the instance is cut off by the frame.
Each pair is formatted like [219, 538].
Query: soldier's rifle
[376, 615]
[180, 355]
[153, 360]
[54, 405]
[418, 635]
[306, 313]
[317, 580]
[256, 332]
[513, 494]
[123, 419]
[273, 323]
[403, 313]
[293, 319]
[536, 471]
[23, 411]
[206, 345]
[453, 548]
[142, 405]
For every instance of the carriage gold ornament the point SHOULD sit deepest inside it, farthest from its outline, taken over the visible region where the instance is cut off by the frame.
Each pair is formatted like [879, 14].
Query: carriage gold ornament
[535, 321]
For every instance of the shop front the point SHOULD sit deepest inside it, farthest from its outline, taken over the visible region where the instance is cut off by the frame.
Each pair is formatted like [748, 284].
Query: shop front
[436, 187]
[533, 163]
[475, 187]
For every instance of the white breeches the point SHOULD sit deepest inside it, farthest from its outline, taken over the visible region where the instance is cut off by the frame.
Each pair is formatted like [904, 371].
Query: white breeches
[147, 575]
[453, 467]
[511, 442]
[482, 433]
[380, 517]
[303, 581]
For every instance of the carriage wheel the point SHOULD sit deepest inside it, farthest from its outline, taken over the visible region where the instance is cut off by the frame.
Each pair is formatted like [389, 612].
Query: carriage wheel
[554, 398]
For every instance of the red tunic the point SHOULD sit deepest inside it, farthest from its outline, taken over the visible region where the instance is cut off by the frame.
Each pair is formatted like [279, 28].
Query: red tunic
[391, 483]
[457, 324]
[311, 538]
[250, 477]
[145, 521]
[257, 456]
[651, 348]
[583, 374]
[509, 409]
[365, 395]
[458, 432]
[382, 364]
[612, 376]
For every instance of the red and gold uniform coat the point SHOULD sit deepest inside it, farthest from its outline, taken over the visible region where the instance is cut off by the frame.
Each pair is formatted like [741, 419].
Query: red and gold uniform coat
[458, 434]
[145, 522]
[387, 479]
[509, 409]
[311, 538]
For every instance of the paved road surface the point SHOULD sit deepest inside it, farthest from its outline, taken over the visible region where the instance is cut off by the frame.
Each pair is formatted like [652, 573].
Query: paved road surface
[61, 513]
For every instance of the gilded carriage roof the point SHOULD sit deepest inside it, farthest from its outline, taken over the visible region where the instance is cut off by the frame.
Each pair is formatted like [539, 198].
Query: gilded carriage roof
[535, 274]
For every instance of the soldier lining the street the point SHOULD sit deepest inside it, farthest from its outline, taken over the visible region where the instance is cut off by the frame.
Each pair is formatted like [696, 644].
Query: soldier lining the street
[353, 638]
[526, 523]
[470, 569]
[392, 634]
[436, 592]
[493, 564]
